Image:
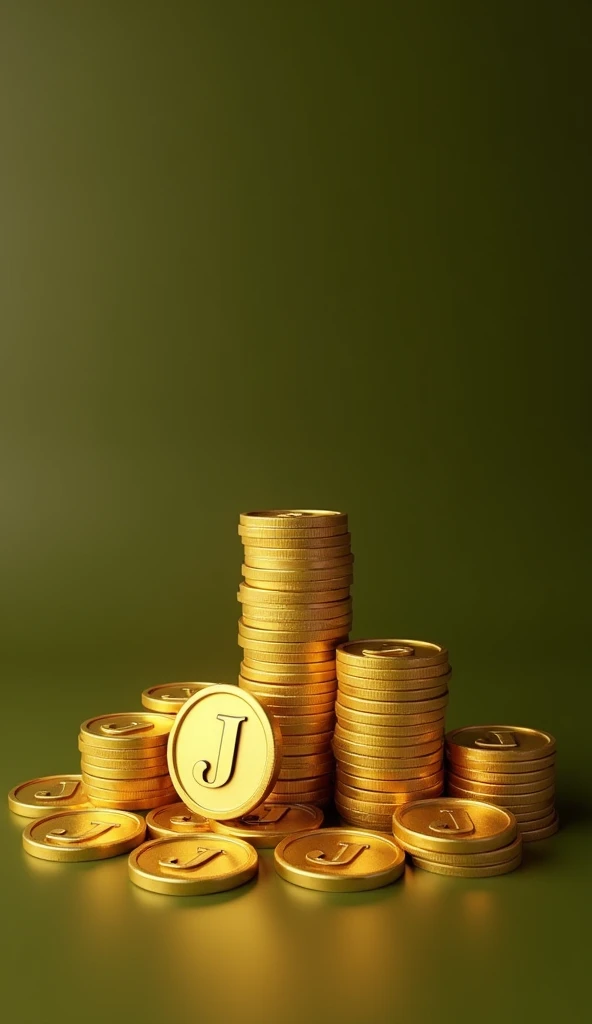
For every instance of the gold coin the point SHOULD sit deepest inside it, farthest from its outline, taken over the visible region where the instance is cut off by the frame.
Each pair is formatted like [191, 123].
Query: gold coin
[321, 691]
[391, 679]
[291, 599]
[296, 518]
[305, 725]
[310, 772]
[400, 785]
[321, 561]
[392, 654]
[502, 779]
[304, 761]
[135, 755]
[523, 800]
[144, 803]
[378, 734]
[540, 816]
[38, 797]
[295, 557]
[322, 676]
[83, 835]
[398, 708]
[341, 573]
[377, 763]
[456, 826]
[317, 799]
[313, 661]
[173, 820]
[432, 721]
[494, 789]
[260, 532]
[395, 691]
[289, 635]
[304, 671]
[268, 824]
[339, 860]
[289, 588]
[301, 785]
[294, 708]
[306, 746]
[487, 871]
[516, 768]
[343, 744]
[159, 771]
[392, 796]
[300, 612]
[154, 784]
[302, 628]
[192, 865]
[275, 648]
[385, 778]
[533, 835]
[376, 822]
[224, 752]
[499, 743]
[168, 698]
[470, 860]
[129, 764]
[139, 729]
[386, 707]
[380, 803]
[268, 539]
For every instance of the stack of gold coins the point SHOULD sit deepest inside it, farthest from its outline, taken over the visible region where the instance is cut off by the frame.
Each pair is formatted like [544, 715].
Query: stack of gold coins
[296, 609]
[389, 737]
[169, 698]
[462, 838]
[510, 766]
[124, 761]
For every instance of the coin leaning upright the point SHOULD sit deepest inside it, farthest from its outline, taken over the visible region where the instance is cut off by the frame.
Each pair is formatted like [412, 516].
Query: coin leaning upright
[224, 752]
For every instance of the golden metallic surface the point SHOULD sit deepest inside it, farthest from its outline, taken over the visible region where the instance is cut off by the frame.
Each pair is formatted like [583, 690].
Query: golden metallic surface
[324, 767]
[248, 595]
[322, 561]
[303, 629]
[379, 734]
[39, 797]
[542, 816]
[487, 871]
[454, 826]
[268, 824]
[117, 763]
[134, 755]
[343, 743]
[380, 679]
[469, 860]
[144, 803]
[392, 654]
[533, 835]
[385, 707]
[376, 822]
[258, 676]
[502, 779]
[192, 865]
[168, 698]
[384, 779]
[296, 577]
[322, 799]
[394, 692]
[522, 800]
[306, 746]
[152, 785]
[224, 752]
[282, 647]
[307, 725]
[397, 708]
[392, 796]
[380, 807]
[292, 708]
[390, 724]
[300, 612]
[158, 771]
[298, 581]
[288, 691]
[399, 785]
[138, 729]
[175, 820]
[339, 860]
[295, 558]
[267, 539]
[83, 835]
[268, 661]
[312, 533]
[306, 761]
[499, 743]
[516, 768]
[291, 636]
[297, 518]
[376, 763]
[500, 790]
[303, 785]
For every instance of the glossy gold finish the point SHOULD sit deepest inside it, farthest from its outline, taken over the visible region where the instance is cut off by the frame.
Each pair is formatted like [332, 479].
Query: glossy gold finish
[362, 784]
[469, 860]
[169, 698]
[291, 636]
[455, 826]
[142, 802]
[498, 743]
[296, 518]
[268, 824]
[248, 595]
[175, 820]
[192, 865]
[290, 583]
[224, 752]
[124, 775]
[532, 835]
[487, 871]
[392, 654]
[274, 678]
[39, 797]
[339, 860]
[136, 730]
[83, 835]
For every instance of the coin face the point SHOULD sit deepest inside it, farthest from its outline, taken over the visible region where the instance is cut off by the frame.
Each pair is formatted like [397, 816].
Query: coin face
[269, 823]
[392, 653]
[175, 820]
[38, 797]
[168, 698]
[192, 865]
[298, 518]
[339, 860]
[83, 835]
[224, 752]
[499, 743]
[138, 729]
[455, 825]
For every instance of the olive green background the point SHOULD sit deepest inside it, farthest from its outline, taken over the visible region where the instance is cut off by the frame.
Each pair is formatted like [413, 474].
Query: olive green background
[273, 254]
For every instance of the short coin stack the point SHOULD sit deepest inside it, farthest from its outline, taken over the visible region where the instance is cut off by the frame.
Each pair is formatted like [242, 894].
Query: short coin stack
[389, 738]
[296, 609]
[124, 761]
[462, 838]
[509, 766]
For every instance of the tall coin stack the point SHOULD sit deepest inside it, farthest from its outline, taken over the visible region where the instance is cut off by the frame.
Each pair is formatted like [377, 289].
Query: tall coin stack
[389, 737]
[296, 609]
[509, 766]
[124, 761]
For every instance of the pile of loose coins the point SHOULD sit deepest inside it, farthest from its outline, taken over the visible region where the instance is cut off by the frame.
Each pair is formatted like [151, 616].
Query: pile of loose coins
[389, 738]
[225, 771]
[123, 759]
[460, 838]
[509, 766]
[296, 608]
